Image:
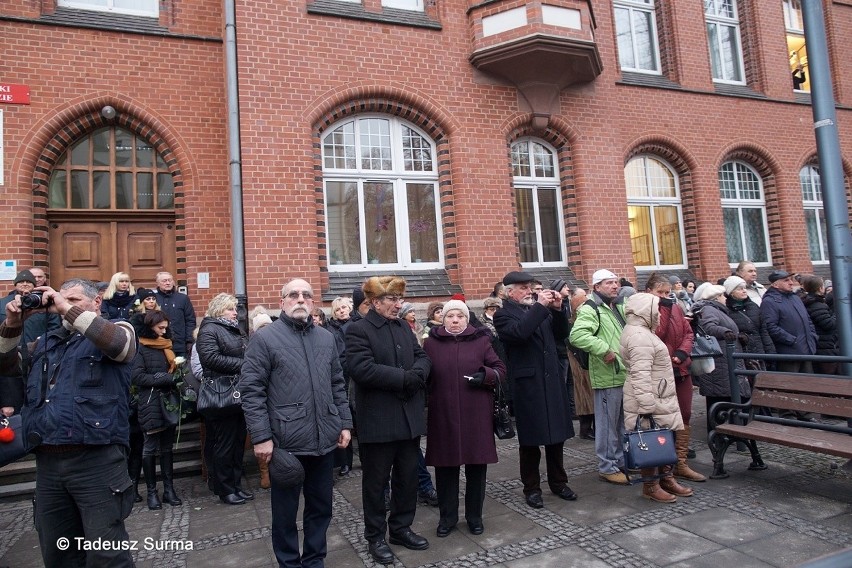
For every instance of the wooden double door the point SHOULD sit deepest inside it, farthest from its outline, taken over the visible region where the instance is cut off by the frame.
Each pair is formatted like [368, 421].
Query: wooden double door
[97, 249]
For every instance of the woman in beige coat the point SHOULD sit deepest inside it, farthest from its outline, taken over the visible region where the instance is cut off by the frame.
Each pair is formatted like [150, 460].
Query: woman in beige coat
[650, 388]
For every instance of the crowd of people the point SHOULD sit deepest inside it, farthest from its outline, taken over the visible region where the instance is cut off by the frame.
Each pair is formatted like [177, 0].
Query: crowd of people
[112, 359]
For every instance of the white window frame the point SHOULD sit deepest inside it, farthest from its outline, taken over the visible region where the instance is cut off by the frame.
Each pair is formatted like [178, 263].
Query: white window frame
[712, 18]
[793, 19]
[154, 12]
[653, 202]
[398, 177]
[640, 6]
[412, 5]
[739, 204]
[815, 205]
[535, 183]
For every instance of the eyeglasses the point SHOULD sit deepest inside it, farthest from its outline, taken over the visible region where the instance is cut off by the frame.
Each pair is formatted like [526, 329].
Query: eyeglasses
[294, 295]
[394, 299]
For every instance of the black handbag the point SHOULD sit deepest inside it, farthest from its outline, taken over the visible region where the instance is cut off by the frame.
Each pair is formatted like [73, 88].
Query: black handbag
[649, 448]
[503, 427]
[170, 405]
[705, 345]
[14, 449]
[219, 397]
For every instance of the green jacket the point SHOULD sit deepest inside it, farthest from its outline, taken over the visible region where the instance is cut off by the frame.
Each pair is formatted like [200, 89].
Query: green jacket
[608, 338]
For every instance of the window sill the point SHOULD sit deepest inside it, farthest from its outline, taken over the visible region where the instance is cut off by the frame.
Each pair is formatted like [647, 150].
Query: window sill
[418, 284]
[647, 80]
[354, 11]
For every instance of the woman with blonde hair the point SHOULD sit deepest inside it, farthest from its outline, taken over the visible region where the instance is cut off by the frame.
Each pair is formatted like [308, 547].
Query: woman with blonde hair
[118, 297]
[221, 346]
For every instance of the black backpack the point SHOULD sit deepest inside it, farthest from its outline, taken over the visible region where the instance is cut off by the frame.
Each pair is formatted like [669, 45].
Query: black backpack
[581, 355]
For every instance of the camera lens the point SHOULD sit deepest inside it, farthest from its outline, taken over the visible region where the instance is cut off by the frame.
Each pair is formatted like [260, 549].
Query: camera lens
[31, 301]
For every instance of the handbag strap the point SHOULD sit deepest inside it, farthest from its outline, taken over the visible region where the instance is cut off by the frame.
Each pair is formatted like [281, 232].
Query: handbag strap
[211, 383]
[652, 425]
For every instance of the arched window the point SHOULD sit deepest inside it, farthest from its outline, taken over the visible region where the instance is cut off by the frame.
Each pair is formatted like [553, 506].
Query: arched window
[537, 204]
[744, 214]
[111, 168]
[654, 213]
[381, 195]
[814, 214]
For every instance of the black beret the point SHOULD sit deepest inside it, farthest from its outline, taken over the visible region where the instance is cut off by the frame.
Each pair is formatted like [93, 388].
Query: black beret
[516, 277]
[285, 469]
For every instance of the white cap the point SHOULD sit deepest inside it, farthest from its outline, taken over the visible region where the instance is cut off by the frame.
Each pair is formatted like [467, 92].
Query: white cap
[601, 275]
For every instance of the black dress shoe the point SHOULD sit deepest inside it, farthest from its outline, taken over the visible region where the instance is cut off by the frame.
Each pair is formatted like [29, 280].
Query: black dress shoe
[232, 499]
[475, 527]
[344, 470]
[535, 501]
[566, 493]
[409, 539]
[381, 552]
[243, 494]
[588, 436]
[444, 530]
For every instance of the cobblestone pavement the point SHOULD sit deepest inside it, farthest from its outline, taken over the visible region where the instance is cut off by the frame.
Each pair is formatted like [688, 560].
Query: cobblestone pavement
[798, 509]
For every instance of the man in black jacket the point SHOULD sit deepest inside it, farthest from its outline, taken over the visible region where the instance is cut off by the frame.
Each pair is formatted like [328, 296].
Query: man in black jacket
[291, 375]
[180, 311]
[389, 369]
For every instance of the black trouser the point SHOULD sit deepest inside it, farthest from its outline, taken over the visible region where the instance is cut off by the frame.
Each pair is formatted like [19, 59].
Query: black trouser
[85, 494]
[447, 484]
[530, 456]
[227, 435]
[377, 461]
[316, 517]
[159, 443]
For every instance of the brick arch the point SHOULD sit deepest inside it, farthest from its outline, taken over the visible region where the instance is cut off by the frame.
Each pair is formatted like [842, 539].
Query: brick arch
[810, 158]
[559, 134]
[54, 136]
[683, 163]
[405, 104]
[768, 168]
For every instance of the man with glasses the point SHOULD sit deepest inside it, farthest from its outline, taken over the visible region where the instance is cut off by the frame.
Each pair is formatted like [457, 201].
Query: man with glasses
[180, 311]
[291, 373]
[389, 368]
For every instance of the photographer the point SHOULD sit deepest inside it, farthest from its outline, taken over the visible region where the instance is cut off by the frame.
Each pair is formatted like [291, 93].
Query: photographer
[75, 417]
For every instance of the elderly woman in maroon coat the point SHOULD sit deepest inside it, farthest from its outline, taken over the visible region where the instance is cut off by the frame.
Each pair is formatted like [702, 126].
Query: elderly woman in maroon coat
[465, 370]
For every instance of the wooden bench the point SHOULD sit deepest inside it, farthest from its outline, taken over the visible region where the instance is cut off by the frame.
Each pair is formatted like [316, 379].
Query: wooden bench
[750, 423]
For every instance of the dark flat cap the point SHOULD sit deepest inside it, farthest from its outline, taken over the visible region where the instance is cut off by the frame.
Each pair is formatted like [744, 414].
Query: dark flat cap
[779, 275]
[516, 277]
[285, 469]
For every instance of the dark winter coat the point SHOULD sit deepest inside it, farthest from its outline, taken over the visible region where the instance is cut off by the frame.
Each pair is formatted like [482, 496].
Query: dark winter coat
[221, 348]
[152, 379]
[753, 335]
[714, 319]
[825, 324]
[119, 306]
[677, 334]
[379, 351]
[181, 318]
[292, 388]
[541, 403]
[460, 427]
[788, 324]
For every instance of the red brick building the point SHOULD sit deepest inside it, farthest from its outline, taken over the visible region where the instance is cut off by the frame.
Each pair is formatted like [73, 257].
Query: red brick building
[445, 140]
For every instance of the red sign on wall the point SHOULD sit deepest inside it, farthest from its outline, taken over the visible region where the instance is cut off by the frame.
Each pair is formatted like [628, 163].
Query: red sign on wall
[14, 94]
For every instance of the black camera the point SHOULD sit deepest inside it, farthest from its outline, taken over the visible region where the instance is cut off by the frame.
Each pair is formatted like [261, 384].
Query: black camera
[32, 301]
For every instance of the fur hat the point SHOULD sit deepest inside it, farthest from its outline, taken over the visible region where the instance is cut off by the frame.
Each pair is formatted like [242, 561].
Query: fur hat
[379, 286]
[285, 469]
[25, 276]
[456, 305]
[489, 302]
[432, 308]
[601, 275]
[732, 283]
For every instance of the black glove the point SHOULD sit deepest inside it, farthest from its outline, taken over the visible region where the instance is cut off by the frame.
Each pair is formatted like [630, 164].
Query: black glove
[163, 378]
[744, 339]
[730, 336]
[476, 379]
[412, 382]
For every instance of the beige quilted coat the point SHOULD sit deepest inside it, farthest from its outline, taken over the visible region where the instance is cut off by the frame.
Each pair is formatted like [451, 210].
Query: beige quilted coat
[650, 386]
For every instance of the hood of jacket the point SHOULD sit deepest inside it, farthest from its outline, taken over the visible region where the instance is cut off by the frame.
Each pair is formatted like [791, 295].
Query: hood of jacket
[643, 310]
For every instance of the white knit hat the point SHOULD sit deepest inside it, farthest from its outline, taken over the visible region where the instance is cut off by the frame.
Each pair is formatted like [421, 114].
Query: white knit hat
[732, 283]
[601, 275]
[456, 305]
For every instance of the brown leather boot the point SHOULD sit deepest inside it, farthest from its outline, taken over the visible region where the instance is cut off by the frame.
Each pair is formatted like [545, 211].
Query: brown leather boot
[264, 473]
[682, 469]
[652, 490]
[669, 484]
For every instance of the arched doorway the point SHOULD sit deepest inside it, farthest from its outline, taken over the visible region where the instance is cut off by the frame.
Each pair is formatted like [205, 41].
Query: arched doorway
[111, 207]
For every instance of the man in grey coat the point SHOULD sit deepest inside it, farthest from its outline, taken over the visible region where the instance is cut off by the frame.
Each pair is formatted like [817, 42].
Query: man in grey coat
[294, 397]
